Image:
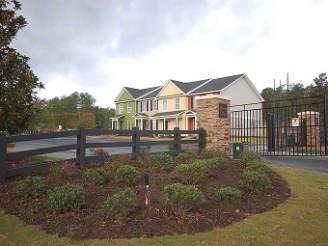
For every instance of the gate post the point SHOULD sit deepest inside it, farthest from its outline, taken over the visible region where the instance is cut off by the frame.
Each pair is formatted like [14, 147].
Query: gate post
[81, 148]
[213, 114]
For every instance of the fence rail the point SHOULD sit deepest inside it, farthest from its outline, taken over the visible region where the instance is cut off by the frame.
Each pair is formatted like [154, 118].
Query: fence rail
[81, 146]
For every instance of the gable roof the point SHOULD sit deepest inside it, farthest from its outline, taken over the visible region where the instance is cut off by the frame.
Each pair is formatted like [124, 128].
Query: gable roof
[136, 93]
[140, 92]
[151, 94]
[185, 87]
[216, 84]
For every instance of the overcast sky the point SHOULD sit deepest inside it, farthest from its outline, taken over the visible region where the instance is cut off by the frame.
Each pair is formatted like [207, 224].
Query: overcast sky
[99, 46]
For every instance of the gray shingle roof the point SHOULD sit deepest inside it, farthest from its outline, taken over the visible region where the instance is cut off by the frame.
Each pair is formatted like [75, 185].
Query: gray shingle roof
[152, 94]
[135, 93]
[217, 84]
[170, 113]
[188, 86]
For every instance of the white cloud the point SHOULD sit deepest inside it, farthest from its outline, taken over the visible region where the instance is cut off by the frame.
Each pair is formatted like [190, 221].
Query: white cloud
[265, 41]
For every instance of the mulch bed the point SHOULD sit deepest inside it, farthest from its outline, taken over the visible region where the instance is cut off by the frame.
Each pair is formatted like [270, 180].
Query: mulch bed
[146, 221]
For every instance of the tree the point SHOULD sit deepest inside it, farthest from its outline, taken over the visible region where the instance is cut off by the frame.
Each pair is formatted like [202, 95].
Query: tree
[17, 80]
[88, 120]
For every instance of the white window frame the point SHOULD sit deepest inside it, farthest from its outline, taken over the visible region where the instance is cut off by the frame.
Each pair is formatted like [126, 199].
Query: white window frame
[120, 108]
[165, 106]
[155, 105]
[154, 124]
[128, 107]
[177, 103]
[144, 106]
[128, 125]
[194, 102]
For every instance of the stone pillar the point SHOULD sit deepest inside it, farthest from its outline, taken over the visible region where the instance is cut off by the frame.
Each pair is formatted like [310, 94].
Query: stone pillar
[312, 127]
[213, 114]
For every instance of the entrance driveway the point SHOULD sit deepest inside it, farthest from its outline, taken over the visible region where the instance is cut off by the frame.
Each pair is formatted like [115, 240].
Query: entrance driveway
[313, 163]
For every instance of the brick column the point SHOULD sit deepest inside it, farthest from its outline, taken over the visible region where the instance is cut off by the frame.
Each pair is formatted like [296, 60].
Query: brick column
[213, 114]
[312, 127]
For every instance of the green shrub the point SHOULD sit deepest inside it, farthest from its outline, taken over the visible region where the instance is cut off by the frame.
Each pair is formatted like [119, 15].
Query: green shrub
[66, 198]
[32, 186]
[160, 162]
[181, 198]
[191, 173]
[97, 175]
[170, 147]
[209, 154]
[223, 155]
[186, 157]
[128, 174]
[120, 204]
[257, 181]
[249, 156]
[217, 163]
[229, 195]
[256, 165]
[145, 150]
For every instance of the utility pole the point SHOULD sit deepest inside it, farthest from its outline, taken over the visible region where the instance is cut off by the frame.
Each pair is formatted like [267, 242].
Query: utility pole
[287, 85]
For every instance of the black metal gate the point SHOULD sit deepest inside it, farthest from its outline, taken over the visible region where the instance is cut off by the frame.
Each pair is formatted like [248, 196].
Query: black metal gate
[295, 126]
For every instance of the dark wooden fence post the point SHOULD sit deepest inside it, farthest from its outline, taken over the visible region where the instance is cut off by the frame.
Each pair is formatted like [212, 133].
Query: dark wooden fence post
[177, 140]
[135, 142]
[81, 148]
[3, 157]
[201, 139]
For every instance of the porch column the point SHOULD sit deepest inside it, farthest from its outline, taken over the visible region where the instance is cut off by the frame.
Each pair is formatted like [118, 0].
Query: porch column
[135, 122]
[186, 123]
[118, 124]
[164, 124]
[176, 122]
[141, 125]
[195, 122]
[112, 124]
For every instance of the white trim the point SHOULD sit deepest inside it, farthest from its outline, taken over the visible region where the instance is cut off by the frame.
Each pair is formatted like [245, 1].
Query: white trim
[212, 96]
[250, 83]
[120, 94]
[177, 104]
[167, 105]
[164, 87]
[152, 105]
[120, 110]
[205, 92]
[189, 111]
[128, 109]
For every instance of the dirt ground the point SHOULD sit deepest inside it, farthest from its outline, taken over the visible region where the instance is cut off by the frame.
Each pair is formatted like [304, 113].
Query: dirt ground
[146, 221]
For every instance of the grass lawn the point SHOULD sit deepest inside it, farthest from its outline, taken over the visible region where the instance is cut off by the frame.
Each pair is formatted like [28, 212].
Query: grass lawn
[302, 220]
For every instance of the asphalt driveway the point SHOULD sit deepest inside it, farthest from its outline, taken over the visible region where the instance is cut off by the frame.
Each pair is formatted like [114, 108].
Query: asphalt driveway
[313, 163]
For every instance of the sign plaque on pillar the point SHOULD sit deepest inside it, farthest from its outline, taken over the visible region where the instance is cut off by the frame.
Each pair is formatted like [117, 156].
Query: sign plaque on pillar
[223, 110]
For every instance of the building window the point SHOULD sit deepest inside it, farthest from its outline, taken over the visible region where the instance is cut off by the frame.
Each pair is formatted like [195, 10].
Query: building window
[143, 106]
[194, 102]
[120, 108]
[128, 125]
[154, 105]
[129, 107]
[177, 103]
[165, 105]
